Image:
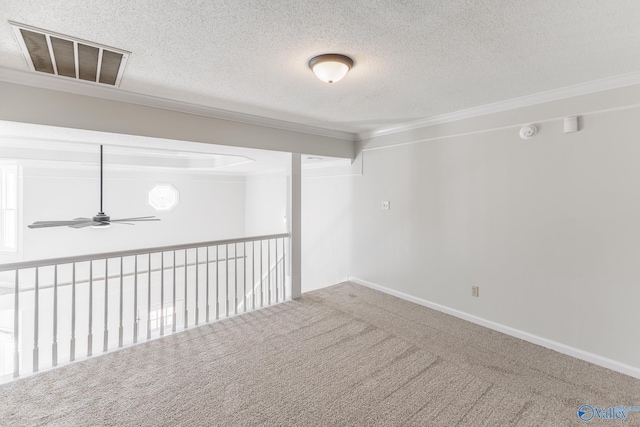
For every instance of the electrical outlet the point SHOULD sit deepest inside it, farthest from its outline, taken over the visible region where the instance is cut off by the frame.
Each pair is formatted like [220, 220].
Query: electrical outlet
[475, 291]
[385, 205]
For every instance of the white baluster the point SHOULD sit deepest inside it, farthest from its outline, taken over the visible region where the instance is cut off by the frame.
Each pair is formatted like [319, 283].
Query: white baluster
[90, 333]
[261, 278]
[161, 293]
[173, 324]
[207, 297]
[36, 312]
[135, 299]
[54, 346]
[121, 326]
[235, 276]
[217, 283]
[269, 272]
[72, 345]
[186, 310]
[284, 271]
[244, 275]
[197, 287]
[226, 260]
[105, 344]
[16, 327]
[149, 296]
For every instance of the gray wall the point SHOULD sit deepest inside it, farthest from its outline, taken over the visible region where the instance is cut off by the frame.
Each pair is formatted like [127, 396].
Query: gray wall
[547, 228]
[26, 104]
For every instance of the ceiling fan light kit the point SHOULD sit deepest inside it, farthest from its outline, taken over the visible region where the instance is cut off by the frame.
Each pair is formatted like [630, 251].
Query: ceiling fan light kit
[100, 220]
[330, 67]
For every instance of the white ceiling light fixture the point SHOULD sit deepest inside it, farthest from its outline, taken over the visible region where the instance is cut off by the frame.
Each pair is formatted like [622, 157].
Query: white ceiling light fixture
[330, 67]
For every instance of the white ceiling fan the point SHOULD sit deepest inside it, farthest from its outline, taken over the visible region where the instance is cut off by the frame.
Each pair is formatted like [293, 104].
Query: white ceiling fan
[100, 220]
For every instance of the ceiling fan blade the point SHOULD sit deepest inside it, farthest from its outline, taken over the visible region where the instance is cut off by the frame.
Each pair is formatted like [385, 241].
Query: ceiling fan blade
[138, 218]
[84, 224]
[133, 218]
[122, 223]
[45, 224]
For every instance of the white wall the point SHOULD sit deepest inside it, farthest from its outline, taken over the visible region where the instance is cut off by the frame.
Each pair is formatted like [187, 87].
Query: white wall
[325, 221]
[547, 228]
[266, 204]
[326, 205]
[211, 208]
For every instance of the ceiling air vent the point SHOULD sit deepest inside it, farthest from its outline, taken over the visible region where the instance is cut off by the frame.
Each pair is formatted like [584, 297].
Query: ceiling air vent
[61, 55]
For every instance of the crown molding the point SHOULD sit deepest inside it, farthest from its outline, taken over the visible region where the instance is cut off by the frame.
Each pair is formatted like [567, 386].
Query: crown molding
[97, 90]
[511, 104]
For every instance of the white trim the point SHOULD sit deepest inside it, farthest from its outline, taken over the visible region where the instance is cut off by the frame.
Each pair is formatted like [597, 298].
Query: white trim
[52, 56]
[99, 67]
[586, 88]
[111, 93]
[614, 365]
[81, 87]
[23, 47]
[493, 129]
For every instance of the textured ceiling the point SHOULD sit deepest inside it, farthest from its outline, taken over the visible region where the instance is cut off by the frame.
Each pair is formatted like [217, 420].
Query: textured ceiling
[414, 59]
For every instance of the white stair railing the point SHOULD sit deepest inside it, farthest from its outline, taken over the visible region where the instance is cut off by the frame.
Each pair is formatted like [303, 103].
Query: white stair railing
[271, 278]
[163, 290]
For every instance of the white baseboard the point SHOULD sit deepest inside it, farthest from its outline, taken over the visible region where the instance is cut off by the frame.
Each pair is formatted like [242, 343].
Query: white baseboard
[544, 342]
[324, 285]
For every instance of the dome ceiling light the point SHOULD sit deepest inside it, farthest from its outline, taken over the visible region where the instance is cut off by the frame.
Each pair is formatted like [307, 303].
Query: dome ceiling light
[330, 67]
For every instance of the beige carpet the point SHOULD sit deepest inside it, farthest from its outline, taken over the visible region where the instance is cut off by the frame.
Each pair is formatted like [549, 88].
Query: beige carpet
[341, 356]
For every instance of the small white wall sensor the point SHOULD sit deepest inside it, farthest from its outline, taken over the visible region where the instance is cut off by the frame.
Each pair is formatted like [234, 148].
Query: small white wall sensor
[570, 124]
[528, 131]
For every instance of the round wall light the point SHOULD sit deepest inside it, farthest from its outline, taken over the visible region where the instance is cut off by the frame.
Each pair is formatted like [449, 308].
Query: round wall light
[164, 197]
[330, 67]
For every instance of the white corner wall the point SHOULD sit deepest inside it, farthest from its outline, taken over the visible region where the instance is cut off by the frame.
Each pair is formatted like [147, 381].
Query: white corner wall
[325, 222]
[326, 205]
[548, 228]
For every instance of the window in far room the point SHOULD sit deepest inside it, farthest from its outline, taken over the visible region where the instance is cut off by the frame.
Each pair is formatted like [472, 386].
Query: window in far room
[8, 207]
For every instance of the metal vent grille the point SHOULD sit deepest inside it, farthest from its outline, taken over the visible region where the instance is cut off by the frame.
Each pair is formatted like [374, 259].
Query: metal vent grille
[61, 55]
